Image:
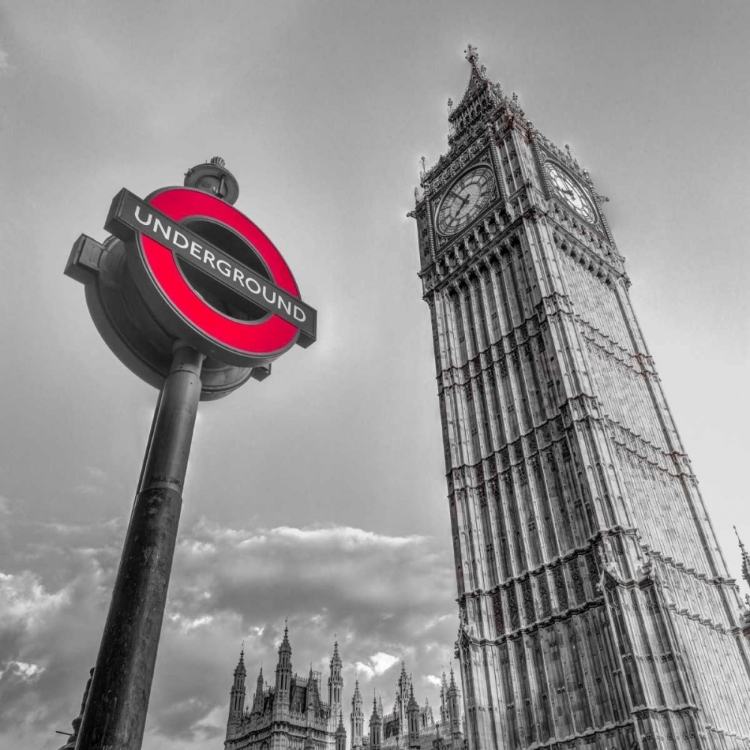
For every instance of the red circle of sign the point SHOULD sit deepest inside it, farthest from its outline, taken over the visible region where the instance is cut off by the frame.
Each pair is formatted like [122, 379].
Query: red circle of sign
[261, 338]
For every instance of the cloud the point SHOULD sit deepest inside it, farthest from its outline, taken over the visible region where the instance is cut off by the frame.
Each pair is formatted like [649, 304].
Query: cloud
[378, 664]
[21, 670]
[96, 473]
[86, 489]
[6, 68]
[25, 603]
[385, 597]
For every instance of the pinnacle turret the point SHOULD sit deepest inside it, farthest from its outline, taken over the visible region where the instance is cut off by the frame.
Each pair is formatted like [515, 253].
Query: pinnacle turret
[745, 558]
[357, 718]
[413, 719]
[376, 726]
[240, 668]
[285, 646]
[283, 675]
[258, 698]
[335, 683]
[237, 696]
[341, 734]
[412, 700]
[454, 712]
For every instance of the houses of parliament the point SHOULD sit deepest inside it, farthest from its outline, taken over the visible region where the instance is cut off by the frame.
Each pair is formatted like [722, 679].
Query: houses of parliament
[295, 714]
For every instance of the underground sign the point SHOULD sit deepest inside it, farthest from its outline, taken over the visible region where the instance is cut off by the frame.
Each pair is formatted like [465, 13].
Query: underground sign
[209, 275]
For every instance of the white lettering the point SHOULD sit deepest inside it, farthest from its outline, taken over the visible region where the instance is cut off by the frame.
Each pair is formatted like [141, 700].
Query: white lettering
[248, 281]
[195, 250]
[270, 301]
[226, 273]
[284, 305]
[301, 312]
[238, 273]
[139, 219]
[209, 257]
[175, 237]
[165, 229]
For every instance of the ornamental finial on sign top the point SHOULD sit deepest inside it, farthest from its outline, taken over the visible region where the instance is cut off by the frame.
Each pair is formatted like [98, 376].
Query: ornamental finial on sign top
[217, 161]
[472, 54]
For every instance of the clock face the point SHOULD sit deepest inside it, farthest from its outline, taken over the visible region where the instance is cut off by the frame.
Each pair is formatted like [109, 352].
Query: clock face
[567, 188]
[465, 199]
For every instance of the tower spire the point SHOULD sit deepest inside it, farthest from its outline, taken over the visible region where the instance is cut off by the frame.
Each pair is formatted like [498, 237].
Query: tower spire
[479, 103]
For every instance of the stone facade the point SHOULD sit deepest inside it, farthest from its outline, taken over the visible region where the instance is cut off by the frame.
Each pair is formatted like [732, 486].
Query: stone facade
[595, 605]
[410, 726]
[292, 714]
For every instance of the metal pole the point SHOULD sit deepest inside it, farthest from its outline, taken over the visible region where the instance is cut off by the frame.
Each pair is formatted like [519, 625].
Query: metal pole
[115, 714]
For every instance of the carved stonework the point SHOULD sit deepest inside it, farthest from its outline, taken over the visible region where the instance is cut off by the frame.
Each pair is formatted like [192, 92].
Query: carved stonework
[497, 609]
[617, 625]
[561, 591]
[514, 615]
[544, 595]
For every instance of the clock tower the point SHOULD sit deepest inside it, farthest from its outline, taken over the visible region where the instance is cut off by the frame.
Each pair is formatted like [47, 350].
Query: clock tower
[596, 610]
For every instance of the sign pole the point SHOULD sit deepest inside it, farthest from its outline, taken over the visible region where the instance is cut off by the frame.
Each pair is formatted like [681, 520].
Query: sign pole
[115, 714]
[164, 295]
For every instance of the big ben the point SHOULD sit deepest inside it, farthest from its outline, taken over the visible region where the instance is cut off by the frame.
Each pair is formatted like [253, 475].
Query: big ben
[596, 609]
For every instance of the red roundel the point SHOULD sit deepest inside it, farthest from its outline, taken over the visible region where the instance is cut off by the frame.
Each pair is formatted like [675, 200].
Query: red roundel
[257, 340]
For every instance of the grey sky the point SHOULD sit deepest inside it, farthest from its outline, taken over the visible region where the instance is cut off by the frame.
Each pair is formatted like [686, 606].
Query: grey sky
[319, 493]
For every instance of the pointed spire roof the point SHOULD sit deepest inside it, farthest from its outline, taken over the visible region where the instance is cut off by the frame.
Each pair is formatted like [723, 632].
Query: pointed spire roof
[453, 679]
[375, 714]
[412, 700]
[240, 668]
[336, 659]
[480, 101]
[745, 558]
[260, 675]
[403, 681]
[481, 96]
[357, 697]
[341, 730]
[477, 78]
[285, 645]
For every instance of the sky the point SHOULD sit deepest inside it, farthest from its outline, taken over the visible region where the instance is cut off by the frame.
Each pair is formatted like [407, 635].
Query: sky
[318, 495]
